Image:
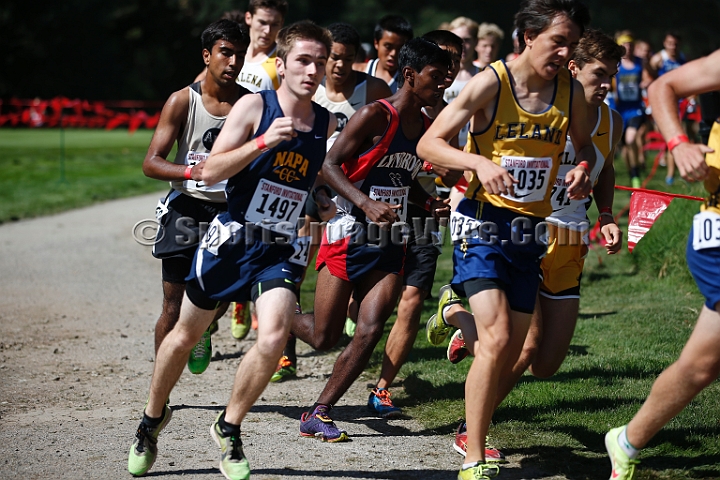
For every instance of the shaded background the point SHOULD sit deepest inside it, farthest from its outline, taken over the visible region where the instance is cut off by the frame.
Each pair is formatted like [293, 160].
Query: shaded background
[146, 49]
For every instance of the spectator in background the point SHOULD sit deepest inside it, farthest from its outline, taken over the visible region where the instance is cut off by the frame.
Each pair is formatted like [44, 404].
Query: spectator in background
[516, 47]
[391, 33]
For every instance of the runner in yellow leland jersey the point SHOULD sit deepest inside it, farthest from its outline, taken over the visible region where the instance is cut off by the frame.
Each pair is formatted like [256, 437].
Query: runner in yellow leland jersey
[520, 114]
[699, 362]
[594, 63]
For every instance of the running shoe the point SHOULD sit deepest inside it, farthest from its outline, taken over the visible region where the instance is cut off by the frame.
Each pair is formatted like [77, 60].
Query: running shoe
[636, 182]
[350, 327]
[437, 329]
[213, 327]
[253, 316]
[285, 370]
[200, 355]
[318, 424]
[480, 471]
[492, 454]
[233, 463]
[380, 403]
[623, 467]
[144, 449]
[456, 351]
[240, 320]
[669, 181]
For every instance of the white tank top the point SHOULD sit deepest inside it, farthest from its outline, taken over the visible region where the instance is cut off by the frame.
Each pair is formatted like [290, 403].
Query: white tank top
[371, 69]
[343, 110]
[451, 94]
[260, 75]
[194, 145]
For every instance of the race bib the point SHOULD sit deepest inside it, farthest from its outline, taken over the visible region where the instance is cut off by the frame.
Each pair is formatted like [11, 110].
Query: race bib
[532, 175]
[463, 227]
[392, 196]
[706, 230]
[217, 234]
[192, 159]
[302, 250]
[629, 91]
[273, 203]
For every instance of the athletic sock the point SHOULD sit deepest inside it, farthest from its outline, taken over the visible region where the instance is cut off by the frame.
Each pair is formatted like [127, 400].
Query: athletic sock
[228, 429]
[444, 312]
[153, 422]
[625, 444]
[465, 466]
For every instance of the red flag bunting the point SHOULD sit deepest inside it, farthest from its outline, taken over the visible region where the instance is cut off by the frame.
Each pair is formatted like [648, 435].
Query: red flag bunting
[645, 208]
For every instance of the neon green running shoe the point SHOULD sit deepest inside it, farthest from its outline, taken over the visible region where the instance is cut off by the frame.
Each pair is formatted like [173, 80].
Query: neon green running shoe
[350, 327]
[481, 471]
[437, 330]
[200, 355]
[623, 467]
[285, 369]
[233, 463]
[240, 320]
[144, 449]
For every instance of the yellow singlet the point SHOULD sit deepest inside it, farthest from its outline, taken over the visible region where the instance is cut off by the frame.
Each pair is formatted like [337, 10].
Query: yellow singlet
[528, 145]
[712, 183]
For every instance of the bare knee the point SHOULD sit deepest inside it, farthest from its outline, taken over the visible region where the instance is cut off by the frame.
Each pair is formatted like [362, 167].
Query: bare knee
[699, 374]
[271, 343]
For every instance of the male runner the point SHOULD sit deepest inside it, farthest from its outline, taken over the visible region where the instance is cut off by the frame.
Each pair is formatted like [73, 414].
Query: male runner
[265, 19]
[699, 362]
[372, 166]
[489, 38]
[423, 250]
[270, 150]
[343, 92]
[193, 117]
[391, 33]
[593, 64]
[629, 103]
[520, 114]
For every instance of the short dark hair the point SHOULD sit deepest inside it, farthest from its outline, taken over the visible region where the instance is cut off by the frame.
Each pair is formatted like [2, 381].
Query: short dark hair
[444, 37]
[234, 15]
[535, 16]
[345, 33]
[224, 30]
[395, 24]
[673, 33]
[303, 30]
[419, 53]
[595, 45]
[279, 5]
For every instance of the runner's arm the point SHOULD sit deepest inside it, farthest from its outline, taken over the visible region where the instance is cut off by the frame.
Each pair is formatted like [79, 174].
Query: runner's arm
[172, 119]
[360, 133]
[604, 192]
[580, 133]
[234, 149]
[476, 101]
[699, 76]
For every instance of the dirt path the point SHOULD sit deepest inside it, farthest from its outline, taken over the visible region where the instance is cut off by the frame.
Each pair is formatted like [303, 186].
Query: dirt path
[78, 303]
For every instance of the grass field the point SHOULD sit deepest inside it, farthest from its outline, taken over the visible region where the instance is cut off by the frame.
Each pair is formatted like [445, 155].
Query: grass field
[40, 178]
[636, 313]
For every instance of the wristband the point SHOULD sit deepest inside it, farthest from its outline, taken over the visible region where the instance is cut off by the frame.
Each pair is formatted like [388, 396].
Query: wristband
[188, 172]
[260, 142]
[585, 165]
[428, 203]
[675, 141]
[324, 188]
[606, 210]
[606, 214]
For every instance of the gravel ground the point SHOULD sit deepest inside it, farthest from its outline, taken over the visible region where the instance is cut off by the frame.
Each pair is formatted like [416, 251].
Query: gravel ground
[78, 303]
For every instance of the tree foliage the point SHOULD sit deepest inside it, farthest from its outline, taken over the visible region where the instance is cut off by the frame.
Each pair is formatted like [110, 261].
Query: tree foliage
[145, 49]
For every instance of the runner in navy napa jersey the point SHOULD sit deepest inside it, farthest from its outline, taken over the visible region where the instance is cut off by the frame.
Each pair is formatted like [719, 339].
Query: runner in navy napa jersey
[270, 149]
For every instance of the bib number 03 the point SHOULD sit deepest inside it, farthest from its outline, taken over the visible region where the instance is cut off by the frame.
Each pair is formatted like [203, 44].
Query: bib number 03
[706, 230]
[532, 177]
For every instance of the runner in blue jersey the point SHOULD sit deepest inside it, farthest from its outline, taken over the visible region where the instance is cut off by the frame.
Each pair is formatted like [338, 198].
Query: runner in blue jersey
[371, 166]
[270, 150]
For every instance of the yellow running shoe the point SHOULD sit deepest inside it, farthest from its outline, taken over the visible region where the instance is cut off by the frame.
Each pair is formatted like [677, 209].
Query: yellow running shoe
[623, 467]
[239, 320]
[481, 471]
[437, 330]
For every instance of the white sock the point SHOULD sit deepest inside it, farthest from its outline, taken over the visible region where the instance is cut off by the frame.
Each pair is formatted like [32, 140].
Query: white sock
[469, 465]
[625, 444]
[444, 312]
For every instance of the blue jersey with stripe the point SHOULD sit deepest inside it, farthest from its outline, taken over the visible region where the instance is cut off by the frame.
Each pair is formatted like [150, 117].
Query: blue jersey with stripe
[273, 188]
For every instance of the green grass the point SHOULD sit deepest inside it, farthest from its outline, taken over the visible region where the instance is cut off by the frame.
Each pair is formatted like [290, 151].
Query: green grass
[637, 311]
[98, 165]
